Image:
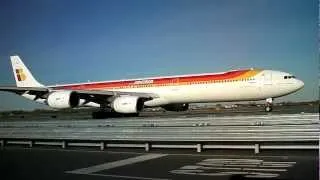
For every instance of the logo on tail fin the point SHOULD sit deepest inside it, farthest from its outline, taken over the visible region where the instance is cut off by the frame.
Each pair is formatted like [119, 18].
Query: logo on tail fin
[20, 75]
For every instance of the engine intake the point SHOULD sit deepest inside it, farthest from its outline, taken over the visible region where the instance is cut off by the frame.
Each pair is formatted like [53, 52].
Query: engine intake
[63, 99]
[127, 104]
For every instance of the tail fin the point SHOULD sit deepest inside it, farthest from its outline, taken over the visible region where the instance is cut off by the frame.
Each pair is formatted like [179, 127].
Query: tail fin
[22, 74]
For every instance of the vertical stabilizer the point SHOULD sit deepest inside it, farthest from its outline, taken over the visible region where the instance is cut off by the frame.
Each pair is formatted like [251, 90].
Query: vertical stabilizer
[22, 74]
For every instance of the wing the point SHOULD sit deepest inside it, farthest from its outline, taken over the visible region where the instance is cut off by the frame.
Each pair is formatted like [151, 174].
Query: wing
[105, 97]
[40, 92]
[19, 90]
[100, 97]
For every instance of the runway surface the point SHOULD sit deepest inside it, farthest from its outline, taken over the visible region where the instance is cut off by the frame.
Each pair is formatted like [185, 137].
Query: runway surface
[53, 164]
[80, 114]
[40, 162]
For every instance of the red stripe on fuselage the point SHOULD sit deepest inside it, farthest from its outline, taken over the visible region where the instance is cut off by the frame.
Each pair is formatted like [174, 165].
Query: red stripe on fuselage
[156, 81]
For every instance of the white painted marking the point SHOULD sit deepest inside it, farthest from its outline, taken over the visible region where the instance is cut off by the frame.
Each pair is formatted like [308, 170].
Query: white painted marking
[222, 168]
[225, 173]
[190, 167]
[261, 175]
[246, 173]
[115, 164]
[187, 171]
[126, 177]
[260, 169]
[248, 167]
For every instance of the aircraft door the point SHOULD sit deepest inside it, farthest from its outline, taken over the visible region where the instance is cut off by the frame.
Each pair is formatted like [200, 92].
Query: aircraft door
[267, 78]
[265, 82]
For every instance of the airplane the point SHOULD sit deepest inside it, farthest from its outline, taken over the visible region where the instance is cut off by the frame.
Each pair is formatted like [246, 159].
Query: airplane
[173, 93]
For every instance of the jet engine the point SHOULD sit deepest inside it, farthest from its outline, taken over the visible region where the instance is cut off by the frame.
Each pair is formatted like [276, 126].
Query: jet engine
[176, 107]
[63, 99]
[127, 104]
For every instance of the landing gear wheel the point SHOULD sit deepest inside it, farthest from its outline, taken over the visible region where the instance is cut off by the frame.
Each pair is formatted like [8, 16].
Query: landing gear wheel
[99, 115]
[108, 114]
[268, 108]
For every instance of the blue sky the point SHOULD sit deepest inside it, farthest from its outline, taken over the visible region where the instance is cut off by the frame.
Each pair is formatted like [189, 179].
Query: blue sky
[80, 40]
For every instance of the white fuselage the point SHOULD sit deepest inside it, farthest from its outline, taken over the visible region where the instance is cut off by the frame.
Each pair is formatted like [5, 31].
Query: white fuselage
[266, 84]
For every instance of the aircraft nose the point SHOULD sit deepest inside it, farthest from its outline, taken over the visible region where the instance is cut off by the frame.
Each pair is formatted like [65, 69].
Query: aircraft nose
[300, 84]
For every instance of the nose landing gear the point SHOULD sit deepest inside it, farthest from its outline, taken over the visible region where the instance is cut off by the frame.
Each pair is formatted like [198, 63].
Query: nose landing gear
[268, 106]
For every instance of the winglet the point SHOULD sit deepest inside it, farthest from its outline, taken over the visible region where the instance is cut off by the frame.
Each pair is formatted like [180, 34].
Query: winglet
[22, 74]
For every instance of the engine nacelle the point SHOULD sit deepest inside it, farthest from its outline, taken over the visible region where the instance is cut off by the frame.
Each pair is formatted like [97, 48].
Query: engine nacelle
[127, 104]
[63, 99]
[176, 107]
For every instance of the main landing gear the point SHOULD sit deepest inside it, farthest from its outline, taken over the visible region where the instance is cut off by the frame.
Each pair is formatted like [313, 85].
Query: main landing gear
[102, 114]
[268, 106]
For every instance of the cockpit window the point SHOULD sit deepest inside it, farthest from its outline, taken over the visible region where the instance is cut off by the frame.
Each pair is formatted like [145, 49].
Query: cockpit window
[288, 77]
